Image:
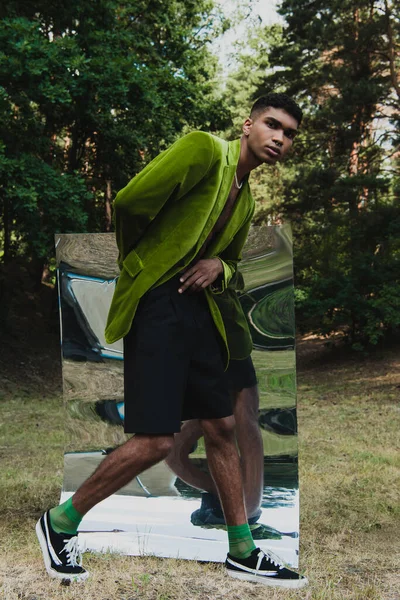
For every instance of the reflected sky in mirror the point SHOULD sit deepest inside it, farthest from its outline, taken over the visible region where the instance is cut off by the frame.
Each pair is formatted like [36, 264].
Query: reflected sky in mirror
[152, 514]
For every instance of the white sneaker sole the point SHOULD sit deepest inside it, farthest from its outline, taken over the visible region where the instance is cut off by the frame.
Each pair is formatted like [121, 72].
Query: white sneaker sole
[47, 560]
[291, 584]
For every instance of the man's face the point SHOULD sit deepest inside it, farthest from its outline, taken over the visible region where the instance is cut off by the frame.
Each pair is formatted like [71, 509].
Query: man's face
[270, 135]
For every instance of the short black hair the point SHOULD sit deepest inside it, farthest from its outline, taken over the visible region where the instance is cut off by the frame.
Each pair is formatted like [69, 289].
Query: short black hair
[282, 101]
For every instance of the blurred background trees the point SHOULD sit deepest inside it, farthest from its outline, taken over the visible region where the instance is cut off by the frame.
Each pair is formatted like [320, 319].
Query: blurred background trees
[91, 91]
[341, 61]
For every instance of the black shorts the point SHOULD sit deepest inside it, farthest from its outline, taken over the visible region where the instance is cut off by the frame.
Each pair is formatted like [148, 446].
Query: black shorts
[173, 367]
[241, 374]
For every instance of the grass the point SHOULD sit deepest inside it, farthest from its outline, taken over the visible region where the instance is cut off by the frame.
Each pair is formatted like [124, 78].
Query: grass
[349, 477]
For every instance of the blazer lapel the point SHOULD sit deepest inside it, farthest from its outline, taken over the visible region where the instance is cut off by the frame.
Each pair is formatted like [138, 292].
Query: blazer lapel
[232, 159]
[238, 216]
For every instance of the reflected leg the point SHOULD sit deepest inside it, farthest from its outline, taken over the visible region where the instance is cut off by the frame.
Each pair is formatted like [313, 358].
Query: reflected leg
[246, 403]
[179, 461]
[250, 446]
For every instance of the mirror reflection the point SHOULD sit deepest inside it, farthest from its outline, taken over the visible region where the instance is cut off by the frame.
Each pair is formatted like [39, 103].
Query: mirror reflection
[172, 509]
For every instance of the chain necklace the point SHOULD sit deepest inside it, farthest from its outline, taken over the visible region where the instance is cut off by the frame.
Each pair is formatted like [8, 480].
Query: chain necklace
[237, 183]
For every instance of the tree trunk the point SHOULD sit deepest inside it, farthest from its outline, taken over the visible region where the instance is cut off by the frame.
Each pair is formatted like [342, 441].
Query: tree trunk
[392, 51]
[108, 196]
[7, 232]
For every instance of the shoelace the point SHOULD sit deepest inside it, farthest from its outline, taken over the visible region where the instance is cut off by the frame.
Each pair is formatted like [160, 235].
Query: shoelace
[73, 552]
[273, 558]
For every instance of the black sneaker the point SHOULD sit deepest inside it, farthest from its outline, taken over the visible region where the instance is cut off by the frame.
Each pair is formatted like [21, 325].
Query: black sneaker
[264, 567]
[61, 554]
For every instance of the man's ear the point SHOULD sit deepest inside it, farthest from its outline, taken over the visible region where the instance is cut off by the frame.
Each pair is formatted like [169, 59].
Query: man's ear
[246, 128]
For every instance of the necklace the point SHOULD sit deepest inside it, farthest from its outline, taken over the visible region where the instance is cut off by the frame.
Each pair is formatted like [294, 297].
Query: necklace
[237, 183]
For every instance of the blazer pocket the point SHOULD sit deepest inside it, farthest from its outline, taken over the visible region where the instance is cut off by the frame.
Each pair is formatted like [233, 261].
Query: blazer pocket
[132, 264]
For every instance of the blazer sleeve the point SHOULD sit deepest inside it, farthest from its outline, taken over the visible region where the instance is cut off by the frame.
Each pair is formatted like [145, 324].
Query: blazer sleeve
[231, 256]
[166, 178]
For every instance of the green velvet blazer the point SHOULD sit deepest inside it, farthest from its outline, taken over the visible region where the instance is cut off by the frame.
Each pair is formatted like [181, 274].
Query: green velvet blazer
[163, 216]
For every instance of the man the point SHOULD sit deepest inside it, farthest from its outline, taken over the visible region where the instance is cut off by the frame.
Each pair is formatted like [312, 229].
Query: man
[180, 226]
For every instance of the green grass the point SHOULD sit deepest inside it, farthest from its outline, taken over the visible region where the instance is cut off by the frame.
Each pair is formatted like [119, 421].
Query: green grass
[349, 480]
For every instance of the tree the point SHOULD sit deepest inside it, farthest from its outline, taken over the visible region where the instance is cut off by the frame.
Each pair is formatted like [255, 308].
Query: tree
[90, 91]
[340, 61]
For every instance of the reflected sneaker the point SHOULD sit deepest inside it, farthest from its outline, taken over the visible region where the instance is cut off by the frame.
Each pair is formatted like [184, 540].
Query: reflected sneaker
[264, 567]
[210, 512]
[282, 421]
[61, 553]
[108, 411]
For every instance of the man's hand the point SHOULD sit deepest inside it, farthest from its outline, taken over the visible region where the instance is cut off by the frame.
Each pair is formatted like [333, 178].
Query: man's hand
[202, 274]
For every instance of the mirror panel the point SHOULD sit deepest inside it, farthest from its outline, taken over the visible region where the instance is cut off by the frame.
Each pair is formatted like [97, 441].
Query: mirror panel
[152, 514]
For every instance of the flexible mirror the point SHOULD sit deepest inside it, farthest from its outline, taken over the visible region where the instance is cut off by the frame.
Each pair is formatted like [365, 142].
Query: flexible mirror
[154, 513]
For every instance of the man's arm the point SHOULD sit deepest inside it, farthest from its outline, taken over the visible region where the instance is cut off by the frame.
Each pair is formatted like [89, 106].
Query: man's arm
[231, 256]
[167, 178]
[216, 272]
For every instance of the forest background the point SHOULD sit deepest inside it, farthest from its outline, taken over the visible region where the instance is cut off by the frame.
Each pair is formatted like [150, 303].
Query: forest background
[91, 91]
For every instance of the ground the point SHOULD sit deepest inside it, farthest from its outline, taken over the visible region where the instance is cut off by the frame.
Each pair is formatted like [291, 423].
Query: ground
[348, 416]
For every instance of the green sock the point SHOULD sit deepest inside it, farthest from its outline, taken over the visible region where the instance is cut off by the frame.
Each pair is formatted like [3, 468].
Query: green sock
[65, 518]
[241, 543]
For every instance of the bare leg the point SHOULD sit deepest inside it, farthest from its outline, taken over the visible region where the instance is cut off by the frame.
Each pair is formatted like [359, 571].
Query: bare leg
[179, 462]
[224, 464]
[120, 467]
[251, 447]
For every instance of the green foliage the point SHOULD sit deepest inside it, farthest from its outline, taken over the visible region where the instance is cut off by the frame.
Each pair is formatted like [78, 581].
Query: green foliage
[40, 201]
[340, 187]
[89, 92]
